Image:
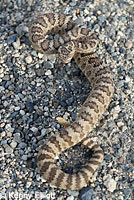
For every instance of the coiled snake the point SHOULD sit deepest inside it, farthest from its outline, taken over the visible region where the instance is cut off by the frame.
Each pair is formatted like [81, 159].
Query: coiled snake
[79, 43]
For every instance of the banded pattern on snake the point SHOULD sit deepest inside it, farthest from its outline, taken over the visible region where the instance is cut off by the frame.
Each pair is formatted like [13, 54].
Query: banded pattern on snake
[79, 43]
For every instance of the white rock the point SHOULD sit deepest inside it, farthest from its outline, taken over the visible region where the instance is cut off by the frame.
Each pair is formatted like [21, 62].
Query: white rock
[116, 109]
[2, 124]
[17, 108]
[52, 90]
[70, 198]
[8, 149]
[9, 128]
[48, 72]
[9, 134]
[13, 144]
[1, 75]
[40, 55]
[110, 184]
[127, 79]
[86, 11]
[16, 44]
[28, 184]
[1, 70]
[28, 59]
[22, 112]
[120, 33]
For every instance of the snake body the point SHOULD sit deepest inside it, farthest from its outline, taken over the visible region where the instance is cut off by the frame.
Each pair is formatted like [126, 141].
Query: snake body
[79, 43]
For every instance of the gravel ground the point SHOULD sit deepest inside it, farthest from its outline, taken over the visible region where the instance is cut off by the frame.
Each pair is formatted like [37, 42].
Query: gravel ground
[35, 90]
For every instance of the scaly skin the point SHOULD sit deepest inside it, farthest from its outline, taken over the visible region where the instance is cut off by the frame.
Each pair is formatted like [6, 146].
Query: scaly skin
[79, 43]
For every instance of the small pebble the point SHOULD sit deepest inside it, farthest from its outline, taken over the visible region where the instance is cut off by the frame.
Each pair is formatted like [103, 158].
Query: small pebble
[48, 73]
[40, 55]
[2, 134]
[29, 106]
[17, 137]
[22, 145]
[34, 129]
[8, 149]
[28, 184]
[70, 198]
[24, 157]
[12, 38]
[128, 44]
[22, 112]
[28, 59]
[127, 191]
[73, 193]
[86, 194]
[13, 144]
[21, 29]
[127, 79]
[17, 108]
[43, 131]
[16, 44]
[40, 72]
[9, 128]
[110, 184]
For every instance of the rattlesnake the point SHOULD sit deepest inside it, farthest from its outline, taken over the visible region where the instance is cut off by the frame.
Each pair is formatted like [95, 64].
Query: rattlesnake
[77, 42]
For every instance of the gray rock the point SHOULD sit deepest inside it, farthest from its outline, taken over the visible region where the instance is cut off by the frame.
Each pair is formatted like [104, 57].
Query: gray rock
[127, 191]
[73, 193]
[40, 72]
[43, 131]
[17, 137]
[101, 19]
[79, 21]
[86, 194]
[48, 65]
[24, 157]
[70, 101]
[19, 2]
[21, 95]
[34, 53]
[21, 29]
[22, 145]
[34, 129]
[4, 142]
[6, 77]
[29, 106]
[11, 38]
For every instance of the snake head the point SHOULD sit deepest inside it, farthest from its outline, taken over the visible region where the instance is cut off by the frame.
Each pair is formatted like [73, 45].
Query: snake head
[66, 52]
